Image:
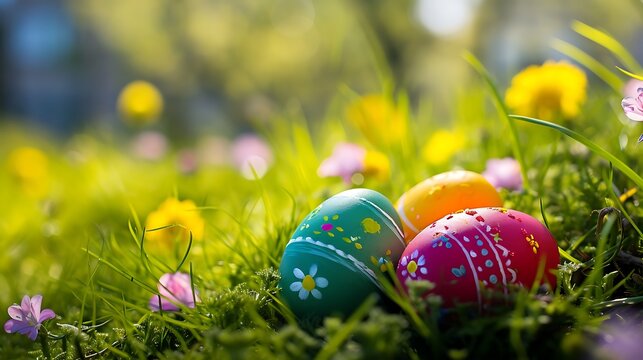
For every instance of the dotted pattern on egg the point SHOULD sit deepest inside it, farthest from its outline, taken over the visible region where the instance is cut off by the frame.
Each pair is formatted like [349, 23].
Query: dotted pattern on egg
[442, 194]
[480, 256]
[346, 232]
[358, 264]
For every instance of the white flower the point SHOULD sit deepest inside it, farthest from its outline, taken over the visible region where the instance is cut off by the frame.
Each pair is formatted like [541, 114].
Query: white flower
[412, 266]
[308, 283]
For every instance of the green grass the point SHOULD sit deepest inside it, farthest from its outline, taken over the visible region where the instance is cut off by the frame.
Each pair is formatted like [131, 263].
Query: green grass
[83, 245]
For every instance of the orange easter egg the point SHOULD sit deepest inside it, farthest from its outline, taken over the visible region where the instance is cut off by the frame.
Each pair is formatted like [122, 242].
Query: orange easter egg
[442, 194]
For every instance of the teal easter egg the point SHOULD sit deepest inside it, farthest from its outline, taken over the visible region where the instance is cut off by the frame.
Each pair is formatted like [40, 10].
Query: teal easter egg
[332, 261]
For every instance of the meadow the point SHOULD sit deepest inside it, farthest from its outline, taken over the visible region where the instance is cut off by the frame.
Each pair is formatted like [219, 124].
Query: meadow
[93, 222]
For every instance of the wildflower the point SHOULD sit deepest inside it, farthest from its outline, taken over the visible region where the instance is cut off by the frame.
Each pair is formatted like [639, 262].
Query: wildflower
[630, 89]
[251, 155]
[504, 173]
[149, 145]
[27, 317]
[174, 289]
[379, 119]
[346, 160]
[442, 145]
[548, 91]
[140, 103]
[188, 161]
[183, 214]
[620, 336]
[376, 164]
[633, 106]
[30, 169]
[350, 159]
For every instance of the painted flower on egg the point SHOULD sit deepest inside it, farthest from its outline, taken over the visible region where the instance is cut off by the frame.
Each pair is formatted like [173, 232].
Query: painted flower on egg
[309, 283]
[477, 249]
[412, 264]
[332, 261]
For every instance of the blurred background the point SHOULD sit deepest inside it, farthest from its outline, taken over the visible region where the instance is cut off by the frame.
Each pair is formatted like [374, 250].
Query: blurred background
[222, 65]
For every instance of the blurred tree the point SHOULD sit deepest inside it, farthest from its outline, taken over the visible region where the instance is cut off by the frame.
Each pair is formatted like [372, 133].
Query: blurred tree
[221, 64]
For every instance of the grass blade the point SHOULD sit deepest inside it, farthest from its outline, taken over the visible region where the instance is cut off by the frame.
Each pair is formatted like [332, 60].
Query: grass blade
[590, 63]
[630, 74]
[592, 146]
[504, 113]
[607, 41]
[336, 341]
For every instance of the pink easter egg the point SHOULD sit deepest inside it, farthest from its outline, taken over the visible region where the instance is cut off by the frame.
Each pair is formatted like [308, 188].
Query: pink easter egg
[465, 252]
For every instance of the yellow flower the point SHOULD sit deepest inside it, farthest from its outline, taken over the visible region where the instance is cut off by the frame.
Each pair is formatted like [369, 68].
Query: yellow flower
[183, 214]
[140, 103]
[377, 165]
[30, 169]
[381, 121]
[548, 91]
[442, 145]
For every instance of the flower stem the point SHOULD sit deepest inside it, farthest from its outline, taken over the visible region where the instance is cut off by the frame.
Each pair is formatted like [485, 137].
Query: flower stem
[44, 343]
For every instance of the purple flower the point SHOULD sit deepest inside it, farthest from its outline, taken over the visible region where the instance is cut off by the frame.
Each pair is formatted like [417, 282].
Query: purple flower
[620, 336]
[504, 173]
[346, 160]
[174, 289]
[26, 318]
[633, 106]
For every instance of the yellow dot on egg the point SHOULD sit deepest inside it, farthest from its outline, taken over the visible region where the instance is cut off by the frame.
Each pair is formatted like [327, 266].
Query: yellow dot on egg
[308, 283]
[370, 226]
[412, 266]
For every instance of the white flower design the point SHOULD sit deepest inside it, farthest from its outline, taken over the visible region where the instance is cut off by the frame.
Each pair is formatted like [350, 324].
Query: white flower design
[309, 283]
[412, 264]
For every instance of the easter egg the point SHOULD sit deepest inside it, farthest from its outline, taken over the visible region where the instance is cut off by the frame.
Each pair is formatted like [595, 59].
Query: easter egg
[442, 194]
[332, 261]
[469, 251]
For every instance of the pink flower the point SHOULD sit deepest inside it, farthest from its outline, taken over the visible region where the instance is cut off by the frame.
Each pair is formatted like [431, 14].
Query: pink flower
[149, 145]
[631, 87]
[188, 161]
[26, 318]
[633, 106]
[504, 173]
[346, 160]
[250, 155]
[174, 289]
